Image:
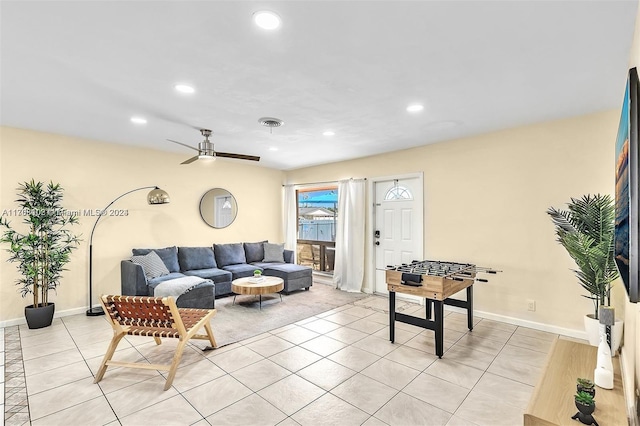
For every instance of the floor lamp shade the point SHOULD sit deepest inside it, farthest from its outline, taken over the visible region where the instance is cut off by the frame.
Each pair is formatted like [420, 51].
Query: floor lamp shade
[155, 196]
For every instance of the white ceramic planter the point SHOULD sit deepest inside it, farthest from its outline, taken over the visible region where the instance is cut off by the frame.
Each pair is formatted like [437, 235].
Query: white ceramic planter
[593, 328]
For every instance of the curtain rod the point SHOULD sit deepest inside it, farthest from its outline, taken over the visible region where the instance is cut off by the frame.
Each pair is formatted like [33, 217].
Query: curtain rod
[321, 183]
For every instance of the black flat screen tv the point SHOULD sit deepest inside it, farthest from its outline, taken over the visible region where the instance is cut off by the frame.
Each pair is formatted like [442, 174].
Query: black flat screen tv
[627, 190]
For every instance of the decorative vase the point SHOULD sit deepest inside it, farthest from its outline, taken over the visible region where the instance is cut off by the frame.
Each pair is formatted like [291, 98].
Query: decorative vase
[593, 328]
[39, 316]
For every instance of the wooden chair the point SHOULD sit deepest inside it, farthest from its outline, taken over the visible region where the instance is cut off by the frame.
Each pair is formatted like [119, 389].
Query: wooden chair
[307, 255]
[154, 317]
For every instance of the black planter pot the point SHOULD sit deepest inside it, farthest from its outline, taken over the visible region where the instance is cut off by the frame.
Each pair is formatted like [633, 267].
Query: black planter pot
[40, 316]
[584, 414]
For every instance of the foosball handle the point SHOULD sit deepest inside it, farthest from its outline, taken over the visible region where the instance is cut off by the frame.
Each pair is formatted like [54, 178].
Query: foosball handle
[482, 280]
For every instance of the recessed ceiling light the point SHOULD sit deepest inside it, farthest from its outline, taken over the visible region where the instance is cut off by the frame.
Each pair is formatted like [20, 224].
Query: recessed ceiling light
[415, 108]
[266, 20]
[329, 133]
[183, 88]
[273, 148]
[138, 120]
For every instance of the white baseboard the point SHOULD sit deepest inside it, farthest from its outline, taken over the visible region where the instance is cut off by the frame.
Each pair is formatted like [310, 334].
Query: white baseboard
[629, 389]
[577, 334]
[57, 314]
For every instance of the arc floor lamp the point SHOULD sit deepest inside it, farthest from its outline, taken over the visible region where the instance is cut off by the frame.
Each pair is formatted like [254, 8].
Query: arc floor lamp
[155, 196]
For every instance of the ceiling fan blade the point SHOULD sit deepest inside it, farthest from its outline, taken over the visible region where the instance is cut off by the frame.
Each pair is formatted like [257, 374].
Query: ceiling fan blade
[184, 144]
[237, 156]
[190, 160]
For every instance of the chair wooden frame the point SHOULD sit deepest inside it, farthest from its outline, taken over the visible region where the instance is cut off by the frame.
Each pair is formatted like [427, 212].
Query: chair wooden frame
[154, 317]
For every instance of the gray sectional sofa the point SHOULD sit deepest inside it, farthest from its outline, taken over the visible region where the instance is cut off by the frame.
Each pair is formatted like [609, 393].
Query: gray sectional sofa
[218, 266]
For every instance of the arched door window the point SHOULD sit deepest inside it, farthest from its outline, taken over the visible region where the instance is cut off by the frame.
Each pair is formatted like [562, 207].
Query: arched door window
[398, 192]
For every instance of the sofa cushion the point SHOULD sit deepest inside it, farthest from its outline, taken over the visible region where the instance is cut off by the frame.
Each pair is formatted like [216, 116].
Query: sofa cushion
[229, 254]
[151, 264]
[286, 271]
[273, 253]
[192, 258]
[254, 252]
[169, 256]
[171, 276]
[241, 270]
[215, 274]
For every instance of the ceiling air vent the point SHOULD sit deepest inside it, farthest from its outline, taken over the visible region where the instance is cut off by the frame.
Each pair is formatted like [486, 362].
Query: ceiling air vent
[270, 122]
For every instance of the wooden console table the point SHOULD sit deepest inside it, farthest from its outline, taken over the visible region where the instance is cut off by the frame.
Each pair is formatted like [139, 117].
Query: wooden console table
[552, 401]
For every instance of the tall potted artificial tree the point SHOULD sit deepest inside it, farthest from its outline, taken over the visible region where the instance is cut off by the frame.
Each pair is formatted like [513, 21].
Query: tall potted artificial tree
[43, 251]
[586, 230]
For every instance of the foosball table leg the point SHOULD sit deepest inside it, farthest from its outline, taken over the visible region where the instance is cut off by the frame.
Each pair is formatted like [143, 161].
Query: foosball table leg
[428, 310]
[470, 307]
[392, 315]
[438, 306]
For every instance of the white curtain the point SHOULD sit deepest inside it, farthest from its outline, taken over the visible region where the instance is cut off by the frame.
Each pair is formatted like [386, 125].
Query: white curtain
[348, 274]
[290, 225]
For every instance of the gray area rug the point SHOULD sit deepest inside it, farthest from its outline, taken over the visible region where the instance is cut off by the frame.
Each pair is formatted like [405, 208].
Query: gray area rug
[244, 319]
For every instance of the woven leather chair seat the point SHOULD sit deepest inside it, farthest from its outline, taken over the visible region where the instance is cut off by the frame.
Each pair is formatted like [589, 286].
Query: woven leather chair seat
[153, 317]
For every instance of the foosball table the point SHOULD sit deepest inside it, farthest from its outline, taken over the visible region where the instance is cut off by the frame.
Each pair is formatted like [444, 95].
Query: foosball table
[436, 281]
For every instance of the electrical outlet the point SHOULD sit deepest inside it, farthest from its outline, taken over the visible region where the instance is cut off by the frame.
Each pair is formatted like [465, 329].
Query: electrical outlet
[531, 305]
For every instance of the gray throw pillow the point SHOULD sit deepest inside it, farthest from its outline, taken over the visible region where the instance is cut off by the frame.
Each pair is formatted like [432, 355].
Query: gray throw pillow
[152, 265]
[169, 256]
[273, 253]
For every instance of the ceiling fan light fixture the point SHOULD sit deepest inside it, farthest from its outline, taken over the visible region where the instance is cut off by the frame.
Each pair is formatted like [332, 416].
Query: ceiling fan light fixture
[266, 20]
[207, 157]
[138, 120]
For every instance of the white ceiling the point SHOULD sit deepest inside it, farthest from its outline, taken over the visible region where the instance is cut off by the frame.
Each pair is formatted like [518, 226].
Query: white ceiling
[83, 68]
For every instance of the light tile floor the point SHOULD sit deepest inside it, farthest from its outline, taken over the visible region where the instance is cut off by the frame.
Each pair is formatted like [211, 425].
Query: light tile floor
[337, 367]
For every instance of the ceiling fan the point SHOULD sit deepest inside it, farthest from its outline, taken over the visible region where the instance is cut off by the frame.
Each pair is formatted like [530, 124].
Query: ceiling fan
[206, 151]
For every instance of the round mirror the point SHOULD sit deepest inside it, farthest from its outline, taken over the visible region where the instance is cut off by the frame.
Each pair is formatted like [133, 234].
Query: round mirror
[218, 208]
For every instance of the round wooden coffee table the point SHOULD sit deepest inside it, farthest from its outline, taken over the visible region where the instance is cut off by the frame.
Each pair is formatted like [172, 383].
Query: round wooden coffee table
[248, 285]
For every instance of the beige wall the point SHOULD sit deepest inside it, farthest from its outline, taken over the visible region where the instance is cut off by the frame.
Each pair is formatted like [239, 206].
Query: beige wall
[94, 173]
[485, 199]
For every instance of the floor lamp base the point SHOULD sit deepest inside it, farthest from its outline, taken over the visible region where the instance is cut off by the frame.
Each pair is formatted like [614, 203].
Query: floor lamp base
[94, 312]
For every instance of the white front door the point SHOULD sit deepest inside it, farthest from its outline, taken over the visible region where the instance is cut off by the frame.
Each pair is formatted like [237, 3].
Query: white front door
[398, 231]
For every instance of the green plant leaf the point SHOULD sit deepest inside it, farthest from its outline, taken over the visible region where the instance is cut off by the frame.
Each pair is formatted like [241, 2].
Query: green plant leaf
[586, 230]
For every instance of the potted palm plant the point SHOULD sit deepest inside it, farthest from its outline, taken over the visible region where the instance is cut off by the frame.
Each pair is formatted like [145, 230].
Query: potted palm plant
[586, 230]
[42, 252]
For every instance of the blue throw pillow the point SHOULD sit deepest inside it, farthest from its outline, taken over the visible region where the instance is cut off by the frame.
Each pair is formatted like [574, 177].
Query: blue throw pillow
[229, 254]
[254, 252]
[194, 258]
